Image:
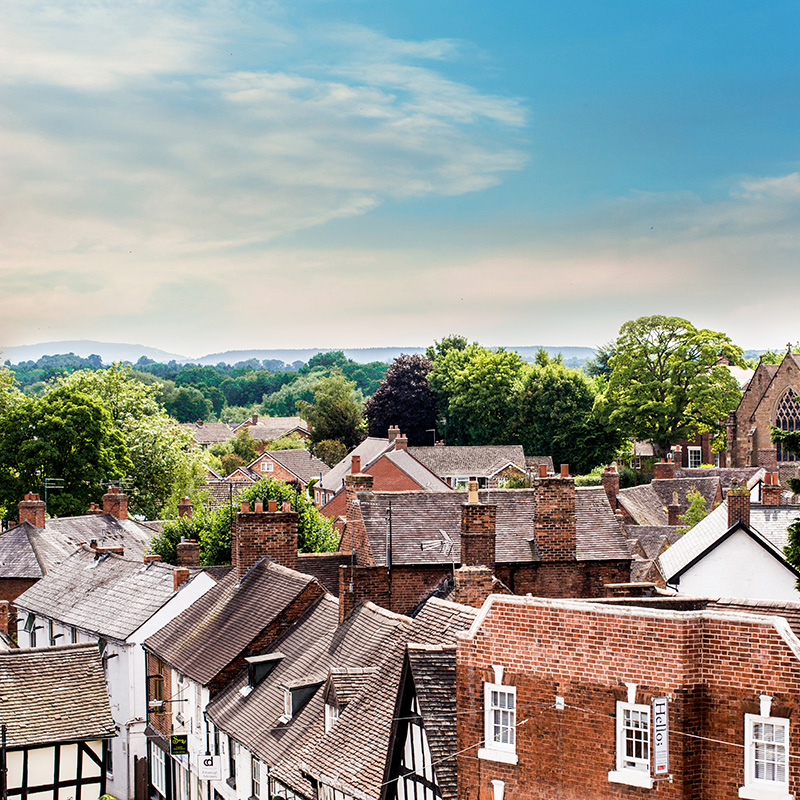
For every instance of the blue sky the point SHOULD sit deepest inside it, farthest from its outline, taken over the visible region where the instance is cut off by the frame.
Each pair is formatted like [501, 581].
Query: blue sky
[218, 175]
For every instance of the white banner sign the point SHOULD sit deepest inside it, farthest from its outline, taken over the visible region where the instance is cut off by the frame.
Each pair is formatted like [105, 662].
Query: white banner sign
[660, 736]
[209, 768]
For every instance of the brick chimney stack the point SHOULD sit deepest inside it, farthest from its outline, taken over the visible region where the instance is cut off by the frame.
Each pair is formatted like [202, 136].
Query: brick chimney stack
[610, 482]
[179, 576]
[738, 501]
[262, 533]
[355, 533]
[394, 432]
[664, 470]
[94, 509]
[32, 510]
[188, 553]
[115, 502]
[673, 510]
[771, 489]
[6, 617]
[185, 508]
[401, 442]
[478, 522]
[554, 518]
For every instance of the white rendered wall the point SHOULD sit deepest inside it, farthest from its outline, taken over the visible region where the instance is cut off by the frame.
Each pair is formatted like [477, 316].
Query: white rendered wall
[740, 567]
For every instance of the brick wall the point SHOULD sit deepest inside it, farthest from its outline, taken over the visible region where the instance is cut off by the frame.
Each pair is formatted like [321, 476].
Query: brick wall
[162, 720]
[279, 472]
[714, 669]
[32, 510]
[478, 522]
[261, 533]
[354, 536]
[564, 578]
[472, 585]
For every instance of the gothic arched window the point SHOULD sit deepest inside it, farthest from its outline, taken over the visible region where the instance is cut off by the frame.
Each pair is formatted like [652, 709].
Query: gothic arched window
[787, 418]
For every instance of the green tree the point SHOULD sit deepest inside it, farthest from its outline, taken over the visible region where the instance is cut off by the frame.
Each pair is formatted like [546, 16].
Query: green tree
[66, 434]
[696, 511]
[404, 398]
[335, 412]
[474, 387]
[165, 464]
[554, 415]
[212, 528]
[665, 383]
[331, 451]
[187, 404]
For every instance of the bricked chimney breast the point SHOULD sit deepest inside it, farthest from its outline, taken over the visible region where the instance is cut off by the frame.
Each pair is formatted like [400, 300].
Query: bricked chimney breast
[554, 518]
[401, 442]
[738, 501]
[771, 489]
[610, 482]
[115, 502]
[185, 508]
[478, 523]
[188, 553]
[394, 432]
[260, 533]
[664, 470]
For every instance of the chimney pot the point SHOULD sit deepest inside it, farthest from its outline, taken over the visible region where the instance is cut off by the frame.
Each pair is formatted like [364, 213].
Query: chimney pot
[565, 470]
[287, 506]
[542, 470]
[272, 505]
[472, 496]
[150, 557]
[185, 508]
[401, 442]
[259, 507]
[32, 510]
[245, 507]
[355, 465]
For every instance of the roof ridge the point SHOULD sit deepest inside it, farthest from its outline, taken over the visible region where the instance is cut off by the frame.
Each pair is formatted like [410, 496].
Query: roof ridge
[381, 611]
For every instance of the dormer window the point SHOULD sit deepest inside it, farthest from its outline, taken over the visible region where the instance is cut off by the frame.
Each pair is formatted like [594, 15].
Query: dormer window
[267, 466]
[331, 715]
[296, 695]
[258, 667]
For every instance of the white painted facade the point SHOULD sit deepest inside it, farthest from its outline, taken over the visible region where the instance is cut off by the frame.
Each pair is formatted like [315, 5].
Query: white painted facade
[33, 770]
[124, 664]
[739, 567]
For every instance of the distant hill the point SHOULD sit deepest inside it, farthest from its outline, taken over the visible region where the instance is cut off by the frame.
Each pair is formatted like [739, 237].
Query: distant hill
[111, 352]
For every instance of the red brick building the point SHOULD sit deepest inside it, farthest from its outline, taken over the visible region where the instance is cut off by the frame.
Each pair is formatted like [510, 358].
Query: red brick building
[591, 700]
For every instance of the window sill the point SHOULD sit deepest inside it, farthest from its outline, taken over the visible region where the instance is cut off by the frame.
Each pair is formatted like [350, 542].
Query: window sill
[764, 793]
[631, 777]
[503, 756]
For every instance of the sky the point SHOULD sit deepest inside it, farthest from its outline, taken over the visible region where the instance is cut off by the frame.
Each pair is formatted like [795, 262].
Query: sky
[210, 176]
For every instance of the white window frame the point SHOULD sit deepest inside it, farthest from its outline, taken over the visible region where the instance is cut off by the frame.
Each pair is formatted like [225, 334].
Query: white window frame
[158, 770]
[267, 466]
[331, 715]
[632, 770]
[756, 788]
[695, 453]
[255, 776]
[494, 750]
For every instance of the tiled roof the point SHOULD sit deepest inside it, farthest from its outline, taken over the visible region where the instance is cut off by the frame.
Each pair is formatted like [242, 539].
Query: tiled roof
[424, 524]
[368, 450]
[647, 503]
[267, 429]
[310, 648]
[770, 522]
[651, 539]
[222, 493]
[206, 433]
[324, 567]
[789, 611]
[108, 595]
[353, 755]
[62, 536]
[433, 668]
[418, 472]
[301, 462]
[726, 475]
[220, 625]
[480, 461]
[532, 463]
[54, 694]
[345, 683]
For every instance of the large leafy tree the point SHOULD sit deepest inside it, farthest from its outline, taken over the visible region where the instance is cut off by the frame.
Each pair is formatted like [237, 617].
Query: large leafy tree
[404, 398]
[212, 527]
[66, 434]
[554, 415]
[664, 382]
[165, 464]
[474, 388]
[335, 412]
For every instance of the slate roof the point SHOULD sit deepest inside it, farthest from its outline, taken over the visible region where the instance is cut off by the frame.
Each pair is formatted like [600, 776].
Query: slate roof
[532, 463]
[433, 668]
[769, 522]
[479, 461]
[345, 683]
[353, 755]
[35, 551]
[424, 524]
[368, 450]
[324, 567]
[726, 475]
[54, 694]
[222, 493]
[647, 503]
[310, 648]
[299, 461]
[219, 626]
[108, 595]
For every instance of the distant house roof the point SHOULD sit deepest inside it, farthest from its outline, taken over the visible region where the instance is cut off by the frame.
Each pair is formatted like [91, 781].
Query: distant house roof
[268, 429]
[352, 756]
[726, 475]
[310, 649]
[769, 523]
[421, 520]
[208, 433]
[219, 626]
[302, 463]
[647, 503]
[54, 694]
[532, 463]
[471, 462]
[36, 551]
[368, 451]
[107, 594]
[418, 472]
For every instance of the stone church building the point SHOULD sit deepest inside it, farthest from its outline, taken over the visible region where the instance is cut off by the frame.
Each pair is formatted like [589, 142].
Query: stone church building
[769, 399]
